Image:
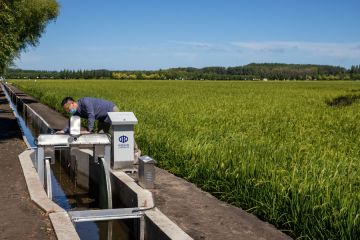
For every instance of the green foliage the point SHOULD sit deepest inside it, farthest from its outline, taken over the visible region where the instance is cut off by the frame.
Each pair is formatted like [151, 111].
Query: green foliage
[276, 149]
[355, 72]
[270, 71]
[21, 24]
[63, 74]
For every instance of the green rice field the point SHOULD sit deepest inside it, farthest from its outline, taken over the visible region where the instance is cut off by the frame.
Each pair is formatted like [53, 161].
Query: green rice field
[288, 152]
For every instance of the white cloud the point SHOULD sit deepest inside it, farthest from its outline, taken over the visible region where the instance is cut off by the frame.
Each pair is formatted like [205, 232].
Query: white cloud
[281, 48]
[196, 44]
[324, 49]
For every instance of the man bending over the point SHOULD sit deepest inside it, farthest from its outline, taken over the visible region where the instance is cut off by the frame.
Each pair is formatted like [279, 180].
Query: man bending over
[91, 109]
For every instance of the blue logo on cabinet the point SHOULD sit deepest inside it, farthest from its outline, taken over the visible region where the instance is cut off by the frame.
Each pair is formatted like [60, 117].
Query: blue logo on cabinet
[123, 139]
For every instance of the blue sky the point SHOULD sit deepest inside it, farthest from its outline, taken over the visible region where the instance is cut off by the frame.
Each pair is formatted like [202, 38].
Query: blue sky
[154, 34]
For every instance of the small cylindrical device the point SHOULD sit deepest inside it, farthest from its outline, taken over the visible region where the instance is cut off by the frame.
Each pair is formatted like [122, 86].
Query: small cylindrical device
[146, 172]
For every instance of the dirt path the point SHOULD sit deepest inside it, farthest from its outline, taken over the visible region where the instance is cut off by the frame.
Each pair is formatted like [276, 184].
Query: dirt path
[20, 217]
[202, 216]
[199, 214]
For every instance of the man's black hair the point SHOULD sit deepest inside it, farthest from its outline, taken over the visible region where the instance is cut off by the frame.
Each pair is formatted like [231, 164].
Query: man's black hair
[65, 100]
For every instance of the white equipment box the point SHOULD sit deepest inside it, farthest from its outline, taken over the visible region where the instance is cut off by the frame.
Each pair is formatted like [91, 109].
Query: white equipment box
[122, 139]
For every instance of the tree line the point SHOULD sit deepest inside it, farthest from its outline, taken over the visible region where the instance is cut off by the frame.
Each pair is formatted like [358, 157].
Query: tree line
[63, 74]
[355, 72]
[253, 71]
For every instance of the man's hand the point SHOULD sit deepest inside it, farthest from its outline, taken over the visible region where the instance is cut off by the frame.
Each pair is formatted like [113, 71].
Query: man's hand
[60, 132]
[85, 132]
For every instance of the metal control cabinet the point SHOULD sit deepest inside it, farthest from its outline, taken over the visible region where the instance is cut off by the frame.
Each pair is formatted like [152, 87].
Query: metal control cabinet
[146, 172]
[122, 139]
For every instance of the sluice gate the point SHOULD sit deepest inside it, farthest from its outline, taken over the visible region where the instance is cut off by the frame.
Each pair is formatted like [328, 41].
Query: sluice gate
[99, 146]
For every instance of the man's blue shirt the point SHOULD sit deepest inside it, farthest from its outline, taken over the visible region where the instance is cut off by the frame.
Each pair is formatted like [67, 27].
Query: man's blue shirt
[93, 109]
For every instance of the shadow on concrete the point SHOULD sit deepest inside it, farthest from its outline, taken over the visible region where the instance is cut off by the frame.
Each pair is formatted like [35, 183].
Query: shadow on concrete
[9, 128]
[5, 111]
[28, 101]
[3, 101]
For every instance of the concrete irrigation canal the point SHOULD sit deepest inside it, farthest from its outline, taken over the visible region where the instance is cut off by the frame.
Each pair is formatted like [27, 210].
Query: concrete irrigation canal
[88, 187]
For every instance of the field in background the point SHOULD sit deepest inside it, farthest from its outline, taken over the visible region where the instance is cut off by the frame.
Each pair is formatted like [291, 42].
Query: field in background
[276, 149]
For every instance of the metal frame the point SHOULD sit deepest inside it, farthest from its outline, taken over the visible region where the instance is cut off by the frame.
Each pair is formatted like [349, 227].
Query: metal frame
[108, 215]
[101, 146]
[47, 143]
[105, 214]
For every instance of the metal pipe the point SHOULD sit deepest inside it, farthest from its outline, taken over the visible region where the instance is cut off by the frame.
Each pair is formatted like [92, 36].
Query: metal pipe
[104, 214]
[48, 178]
[142, 227]
[108, 182]
[40, 164]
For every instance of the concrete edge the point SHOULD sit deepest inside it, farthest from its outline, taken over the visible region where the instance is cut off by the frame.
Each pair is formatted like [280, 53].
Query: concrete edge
[40, 117]
[35, 188]
[27, 106]
[60, 220]
[145, 199]
[167, 226]
[63, 226]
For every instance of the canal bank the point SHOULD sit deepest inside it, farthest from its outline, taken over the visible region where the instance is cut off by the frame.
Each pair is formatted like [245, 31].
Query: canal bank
[20, 217]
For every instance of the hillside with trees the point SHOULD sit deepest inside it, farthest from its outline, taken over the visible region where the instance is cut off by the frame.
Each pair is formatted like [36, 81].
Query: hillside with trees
[253, 71]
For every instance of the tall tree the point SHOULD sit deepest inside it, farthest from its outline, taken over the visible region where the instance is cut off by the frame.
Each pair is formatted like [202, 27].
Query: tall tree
[21, 24]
